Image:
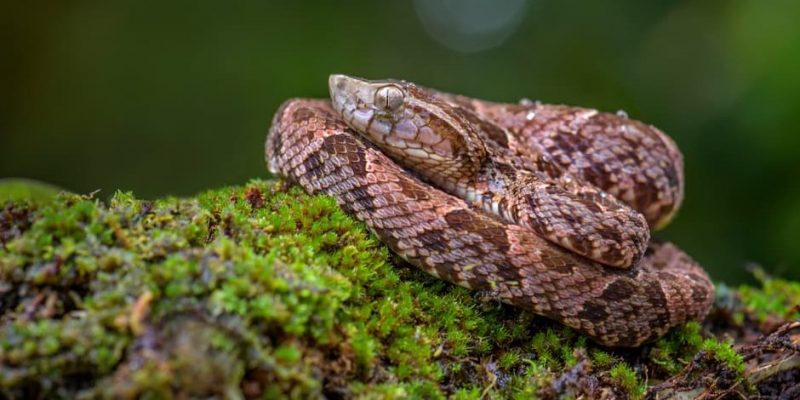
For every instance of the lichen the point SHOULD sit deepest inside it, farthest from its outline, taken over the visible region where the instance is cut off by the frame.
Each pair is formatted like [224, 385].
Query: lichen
[262, 291]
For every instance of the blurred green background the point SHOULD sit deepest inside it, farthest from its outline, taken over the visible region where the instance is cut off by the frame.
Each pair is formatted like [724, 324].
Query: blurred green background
[176, 97]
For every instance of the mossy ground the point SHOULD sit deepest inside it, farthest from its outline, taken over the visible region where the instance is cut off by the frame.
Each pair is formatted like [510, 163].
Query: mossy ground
[262, 291]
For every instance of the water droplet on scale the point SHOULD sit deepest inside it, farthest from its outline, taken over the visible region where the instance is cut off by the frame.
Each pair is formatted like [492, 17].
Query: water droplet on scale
[622, 113]
[530, 115]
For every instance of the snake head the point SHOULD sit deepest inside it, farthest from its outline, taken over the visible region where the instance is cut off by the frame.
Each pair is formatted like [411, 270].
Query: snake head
[415, 129]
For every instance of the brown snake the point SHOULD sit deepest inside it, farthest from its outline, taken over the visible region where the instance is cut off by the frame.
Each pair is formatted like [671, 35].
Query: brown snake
[544, 207]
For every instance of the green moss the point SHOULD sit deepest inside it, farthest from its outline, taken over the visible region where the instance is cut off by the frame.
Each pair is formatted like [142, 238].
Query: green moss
[602, 359]
[555, 348]
[509, 360]
[626, 378]
[777, 298]
[724, 353]
[467, 394]
[264, 291]
[675, 350]
[296, 281]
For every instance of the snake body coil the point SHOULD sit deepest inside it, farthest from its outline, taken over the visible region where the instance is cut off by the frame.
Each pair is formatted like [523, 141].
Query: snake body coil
[544, 207]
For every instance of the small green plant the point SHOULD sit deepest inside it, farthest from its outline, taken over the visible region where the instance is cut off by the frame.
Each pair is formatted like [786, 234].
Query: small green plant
[602, 359]
[626, 378]
[675, 350]
[726, 354]
[777, 298]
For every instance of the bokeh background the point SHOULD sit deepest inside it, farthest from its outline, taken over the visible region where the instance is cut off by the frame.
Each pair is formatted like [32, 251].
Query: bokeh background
[172, 98]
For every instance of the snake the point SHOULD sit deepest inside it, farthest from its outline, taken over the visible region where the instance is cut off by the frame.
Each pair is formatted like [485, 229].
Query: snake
[545, 207]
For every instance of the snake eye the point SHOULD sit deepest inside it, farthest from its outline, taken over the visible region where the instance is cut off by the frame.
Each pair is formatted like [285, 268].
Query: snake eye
[389, 97]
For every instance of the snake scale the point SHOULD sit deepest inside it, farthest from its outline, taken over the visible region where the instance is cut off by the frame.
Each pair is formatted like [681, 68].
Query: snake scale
[544, 207]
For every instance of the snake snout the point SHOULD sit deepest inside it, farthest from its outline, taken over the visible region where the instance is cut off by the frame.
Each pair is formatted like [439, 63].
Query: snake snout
[337, 81]
[350, 94]
[340, 95]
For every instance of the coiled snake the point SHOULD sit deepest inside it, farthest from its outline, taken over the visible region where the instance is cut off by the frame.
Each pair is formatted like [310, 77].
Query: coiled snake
[544, 207]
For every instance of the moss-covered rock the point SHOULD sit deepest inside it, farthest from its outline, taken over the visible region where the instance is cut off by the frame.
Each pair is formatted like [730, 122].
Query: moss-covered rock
[262, 291]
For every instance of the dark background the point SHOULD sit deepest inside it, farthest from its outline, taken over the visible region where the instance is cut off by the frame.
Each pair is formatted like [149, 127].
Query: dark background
[176, 97]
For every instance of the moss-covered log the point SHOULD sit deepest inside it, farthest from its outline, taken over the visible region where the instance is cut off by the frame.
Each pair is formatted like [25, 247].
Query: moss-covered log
[261, 291]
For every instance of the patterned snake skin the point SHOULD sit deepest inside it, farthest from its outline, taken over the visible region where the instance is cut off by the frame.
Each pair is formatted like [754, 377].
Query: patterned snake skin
[543, 207]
